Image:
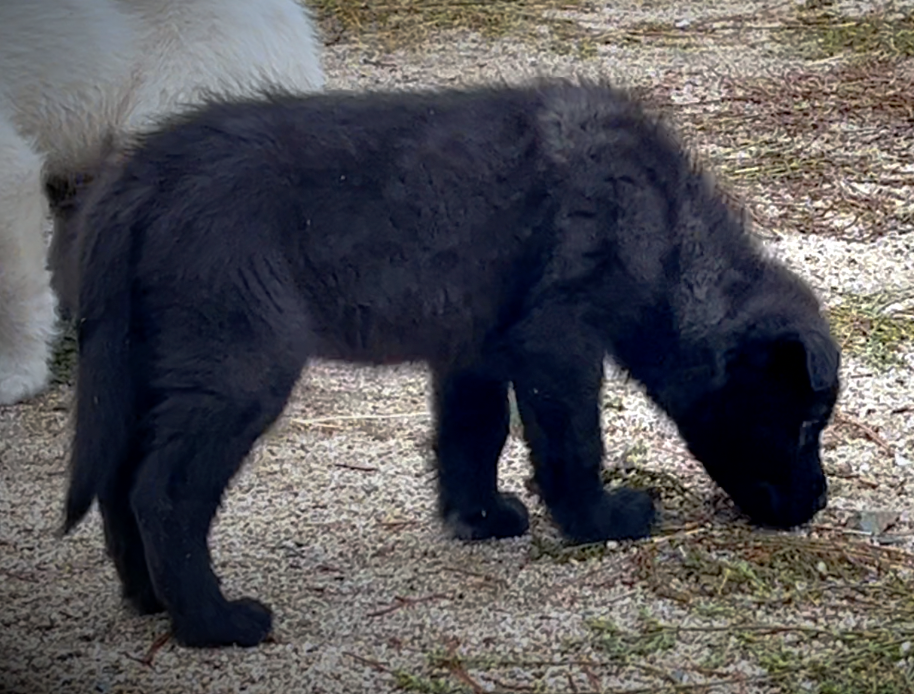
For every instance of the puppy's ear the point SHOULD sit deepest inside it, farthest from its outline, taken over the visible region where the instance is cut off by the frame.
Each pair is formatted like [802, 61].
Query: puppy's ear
[808, 358]
[823, 359]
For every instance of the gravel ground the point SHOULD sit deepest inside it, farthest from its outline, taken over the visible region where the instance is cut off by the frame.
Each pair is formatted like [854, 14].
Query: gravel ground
[332, 522]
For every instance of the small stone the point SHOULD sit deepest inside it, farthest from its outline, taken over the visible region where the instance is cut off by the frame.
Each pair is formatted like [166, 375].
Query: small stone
[680, 676]
[844, 469]
[876, 522]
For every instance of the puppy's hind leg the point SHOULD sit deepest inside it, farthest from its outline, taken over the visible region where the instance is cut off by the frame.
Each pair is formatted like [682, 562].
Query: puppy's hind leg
[472, 425]
[27, 304]
[124, 542]
[214, 398]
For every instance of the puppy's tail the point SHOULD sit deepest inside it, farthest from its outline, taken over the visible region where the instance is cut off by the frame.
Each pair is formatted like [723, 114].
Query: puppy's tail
[105, 397]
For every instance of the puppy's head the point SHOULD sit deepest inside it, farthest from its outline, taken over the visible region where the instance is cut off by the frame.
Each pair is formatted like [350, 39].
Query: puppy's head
[757, 434]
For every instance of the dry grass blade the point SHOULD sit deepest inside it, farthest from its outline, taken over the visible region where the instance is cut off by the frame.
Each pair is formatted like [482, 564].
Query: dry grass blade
[743, 581]
[832, 150]
[802, 613]
[876, 327]
[398, 24]
[823, 33]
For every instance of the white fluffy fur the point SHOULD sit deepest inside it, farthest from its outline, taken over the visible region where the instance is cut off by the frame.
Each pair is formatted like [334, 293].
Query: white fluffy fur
[73, 71]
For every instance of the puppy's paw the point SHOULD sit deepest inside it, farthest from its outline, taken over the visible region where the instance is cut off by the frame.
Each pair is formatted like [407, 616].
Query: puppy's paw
[623, 514]
[504, 516]
[245, 622]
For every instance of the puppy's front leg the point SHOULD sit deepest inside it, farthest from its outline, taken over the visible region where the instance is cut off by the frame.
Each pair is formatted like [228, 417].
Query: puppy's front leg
[558, 398]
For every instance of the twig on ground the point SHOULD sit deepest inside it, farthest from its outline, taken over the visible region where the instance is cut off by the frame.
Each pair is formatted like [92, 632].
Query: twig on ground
[19, 576]
[842, 418]
[398, 525]
[156, 646]
[474, 574]
[320, 421]
[400, 601]
[456, 668]
[512, 687]
[592, 679]
[373, 664]
[360, 468]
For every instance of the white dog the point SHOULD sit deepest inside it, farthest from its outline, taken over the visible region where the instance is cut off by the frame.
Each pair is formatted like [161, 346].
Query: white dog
[74, 71]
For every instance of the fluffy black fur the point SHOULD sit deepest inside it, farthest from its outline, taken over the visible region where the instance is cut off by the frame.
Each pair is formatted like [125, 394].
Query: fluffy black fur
[502, 235]
[65, 197]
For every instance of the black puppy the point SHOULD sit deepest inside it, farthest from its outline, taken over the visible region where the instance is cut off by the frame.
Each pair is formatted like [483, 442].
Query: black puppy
[502, 235]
